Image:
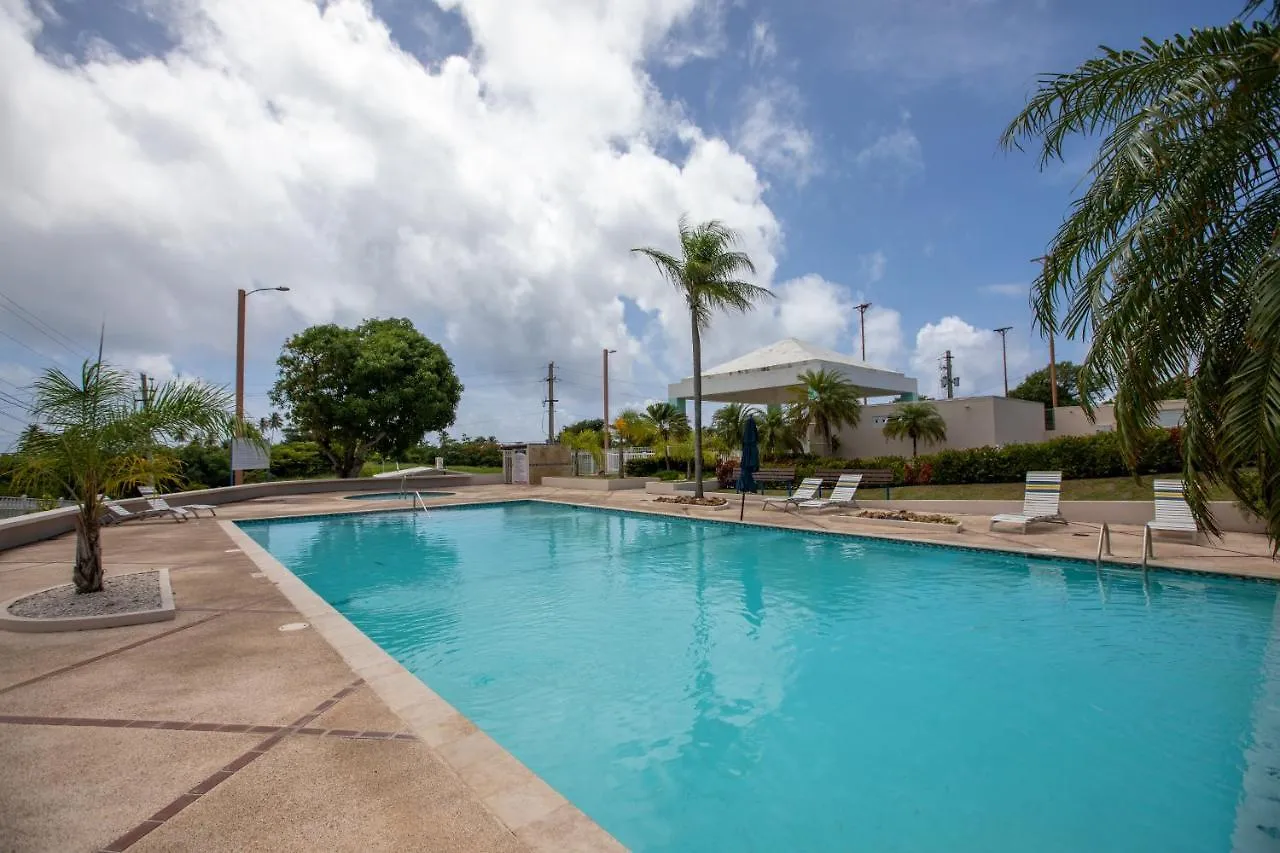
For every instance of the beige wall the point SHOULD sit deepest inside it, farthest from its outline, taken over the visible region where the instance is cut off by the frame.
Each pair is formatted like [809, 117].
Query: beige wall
[1071, 420]
[971, 422]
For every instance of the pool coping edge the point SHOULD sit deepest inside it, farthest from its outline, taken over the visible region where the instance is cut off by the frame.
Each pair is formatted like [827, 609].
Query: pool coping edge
[520, 800]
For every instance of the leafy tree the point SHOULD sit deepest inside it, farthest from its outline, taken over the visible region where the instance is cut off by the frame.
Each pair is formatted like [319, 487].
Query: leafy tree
[270, 424]
[380, 386]
[826, 401]
[588, 425]
[707, 275]
[916, 421]
[1171, 254]
[632, 429]
[729, 421]
[1035, 386]
[666, 420]
[586, 441]
[94, 440]
[776, 433]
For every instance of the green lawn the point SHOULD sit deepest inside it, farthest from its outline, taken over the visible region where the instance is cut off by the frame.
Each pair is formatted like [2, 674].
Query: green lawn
[1105, 489]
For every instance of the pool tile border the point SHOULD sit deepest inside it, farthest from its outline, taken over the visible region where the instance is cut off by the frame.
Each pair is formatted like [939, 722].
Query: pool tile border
[524, 803]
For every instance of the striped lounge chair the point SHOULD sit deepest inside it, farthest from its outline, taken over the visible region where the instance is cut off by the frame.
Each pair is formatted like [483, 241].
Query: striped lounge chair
[842, 494]
[806, 491]
[1039, 502]
[1173, 515]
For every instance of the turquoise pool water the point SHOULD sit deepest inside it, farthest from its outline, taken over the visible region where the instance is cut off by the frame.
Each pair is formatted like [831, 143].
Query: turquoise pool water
[705, 687]
[395, 496]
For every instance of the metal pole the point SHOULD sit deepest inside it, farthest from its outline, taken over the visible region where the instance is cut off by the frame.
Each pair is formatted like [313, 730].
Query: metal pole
[1053, 362]
[551, 402]
[946, 360]
[237, 477]
[1004, 356]
[862, 329]
[606, 407]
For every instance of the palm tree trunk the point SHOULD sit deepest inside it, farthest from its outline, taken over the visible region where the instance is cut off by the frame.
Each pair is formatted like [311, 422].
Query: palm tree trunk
[87, 573]
[913, 447]
[697, 409]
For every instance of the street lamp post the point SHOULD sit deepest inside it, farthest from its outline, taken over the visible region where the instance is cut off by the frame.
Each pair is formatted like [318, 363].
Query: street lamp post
[241, 296]
[862, 329]
[1004, 356]
[606, 352]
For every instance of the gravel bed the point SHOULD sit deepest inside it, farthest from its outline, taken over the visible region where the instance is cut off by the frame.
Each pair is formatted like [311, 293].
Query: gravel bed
[121, 594]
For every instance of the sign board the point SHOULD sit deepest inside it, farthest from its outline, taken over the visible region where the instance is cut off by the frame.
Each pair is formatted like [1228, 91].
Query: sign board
[439, 463]
[520, 468]
[248, 455]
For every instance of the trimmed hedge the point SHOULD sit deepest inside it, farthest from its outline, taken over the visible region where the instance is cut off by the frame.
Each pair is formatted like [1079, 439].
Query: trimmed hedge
[1077, 457]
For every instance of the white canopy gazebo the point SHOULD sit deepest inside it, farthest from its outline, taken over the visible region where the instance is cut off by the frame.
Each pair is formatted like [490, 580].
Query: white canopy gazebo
[769, 374]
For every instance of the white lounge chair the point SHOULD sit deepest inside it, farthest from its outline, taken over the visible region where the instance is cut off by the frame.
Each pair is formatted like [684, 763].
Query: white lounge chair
[118, 514]
[842, 495]
[806, 491]
[161, 505]
[1173, 515]
[1039, 501]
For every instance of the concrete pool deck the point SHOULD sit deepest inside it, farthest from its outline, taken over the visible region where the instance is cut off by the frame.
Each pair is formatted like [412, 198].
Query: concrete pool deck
[218, 731]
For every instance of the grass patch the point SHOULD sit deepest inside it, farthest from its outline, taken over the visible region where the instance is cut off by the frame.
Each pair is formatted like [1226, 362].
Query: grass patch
[476, 469]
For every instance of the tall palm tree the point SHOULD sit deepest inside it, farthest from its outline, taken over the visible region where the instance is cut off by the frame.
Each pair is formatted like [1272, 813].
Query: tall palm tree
[94, 441]
[1171, 255]
[707, 274]
[916, 421]
[775, 431]
[666, 420]
[826, 401]
[729, 421]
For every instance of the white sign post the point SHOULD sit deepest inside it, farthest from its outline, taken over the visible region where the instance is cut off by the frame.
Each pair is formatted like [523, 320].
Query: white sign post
[249, 455]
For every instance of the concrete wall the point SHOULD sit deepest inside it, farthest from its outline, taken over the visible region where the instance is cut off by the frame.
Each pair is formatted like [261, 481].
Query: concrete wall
[549, 460]
[45, 525]
[595, 484]
[1071, 420]
[971, 422]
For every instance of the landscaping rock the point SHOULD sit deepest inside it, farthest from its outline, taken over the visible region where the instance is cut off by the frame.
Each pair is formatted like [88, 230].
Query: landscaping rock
[121, 594]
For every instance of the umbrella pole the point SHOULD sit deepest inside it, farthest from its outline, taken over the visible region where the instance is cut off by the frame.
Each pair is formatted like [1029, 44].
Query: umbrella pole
[742, 508]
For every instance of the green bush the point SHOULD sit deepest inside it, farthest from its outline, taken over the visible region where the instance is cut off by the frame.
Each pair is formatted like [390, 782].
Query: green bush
[299, 460]
[1077, 457]
[644, 467]
[668, 476]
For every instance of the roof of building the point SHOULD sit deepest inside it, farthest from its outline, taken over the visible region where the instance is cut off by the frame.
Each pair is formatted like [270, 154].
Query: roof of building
[785, 353]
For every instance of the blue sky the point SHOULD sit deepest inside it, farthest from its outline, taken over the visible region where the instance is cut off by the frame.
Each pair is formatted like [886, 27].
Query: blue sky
[488, 181]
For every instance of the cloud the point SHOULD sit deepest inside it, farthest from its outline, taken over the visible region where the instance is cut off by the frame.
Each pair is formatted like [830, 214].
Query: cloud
[770, 132]
[491, 198]
[763, 47]
[898, 151]
[975, 353]
[980, 43]
[1011, 290]
[872, 266]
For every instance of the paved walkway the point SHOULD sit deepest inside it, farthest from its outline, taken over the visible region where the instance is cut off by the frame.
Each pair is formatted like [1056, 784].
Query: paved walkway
[218, 731]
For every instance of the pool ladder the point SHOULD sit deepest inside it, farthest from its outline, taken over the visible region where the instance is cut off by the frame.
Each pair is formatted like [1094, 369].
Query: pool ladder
[418, 501]
[1104, 543]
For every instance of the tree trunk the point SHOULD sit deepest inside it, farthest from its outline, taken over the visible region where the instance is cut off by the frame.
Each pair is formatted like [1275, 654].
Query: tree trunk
[913, 447]
[87, 573]
[697, 409]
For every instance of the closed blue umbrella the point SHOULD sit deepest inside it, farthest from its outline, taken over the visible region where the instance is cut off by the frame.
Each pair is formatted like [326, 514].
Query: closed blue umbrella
[750, 463]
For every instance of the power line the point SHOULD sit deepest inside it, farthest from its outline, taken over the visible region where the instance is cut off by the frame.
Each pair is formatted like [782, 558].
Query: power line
[25, 346]
[39, 325]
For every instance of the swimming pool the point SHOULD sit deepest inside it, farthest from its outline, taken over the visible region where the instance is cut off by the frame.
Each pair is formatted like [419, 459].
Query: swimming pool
[395, 496]
[700, 687]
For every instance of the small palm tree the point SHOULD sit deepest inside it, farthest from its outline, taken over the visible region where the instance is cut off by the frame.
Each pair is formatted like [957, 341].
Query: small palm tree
[776, 434]
[707, 275]
[94, 441]
[916, 421]
[585, 441]
[666, 420]
[826, 401]
[632, 429]
[729, 421]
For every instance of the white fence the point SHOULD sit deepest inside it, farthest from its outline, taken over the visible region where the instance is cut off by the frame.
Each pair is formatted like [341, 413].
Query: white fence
[13, 507]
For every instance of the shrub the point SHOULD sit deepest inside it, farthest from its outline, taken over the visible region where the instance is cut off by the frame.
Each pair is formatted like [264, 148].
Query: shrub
[726, 473]
[643, 466]
[668, 476]
[298, 460]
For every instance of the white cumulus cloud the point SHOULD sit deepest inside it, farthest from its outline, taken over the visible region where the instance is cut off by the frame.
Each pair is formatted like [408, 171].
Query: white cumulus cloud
[975, 353]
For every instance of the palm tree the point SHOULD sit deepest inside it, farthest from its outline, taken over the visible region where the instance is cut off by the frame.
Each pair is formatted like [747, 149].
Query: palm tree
[1171, 256]
[632, 428]
[94, 441]
[775, 432]
[916, 421]
[826, 401]
[707, 275]
[270, 424]
[729, 421]
[666, 420]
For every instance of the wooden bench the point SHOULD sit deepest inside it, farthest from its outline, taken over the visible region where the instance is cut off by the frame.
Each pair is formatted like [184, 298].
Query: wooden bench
[876, 477]
[785, 477]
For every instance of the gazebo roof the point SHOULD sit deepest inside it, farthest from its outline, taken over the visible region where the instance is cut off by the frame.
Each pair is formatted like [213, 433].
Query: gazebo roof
[768, 374]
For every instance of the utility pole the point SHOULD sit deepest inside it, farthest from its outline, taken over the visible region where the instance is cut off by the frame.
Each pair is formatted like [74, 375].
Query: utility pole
[551, 402]
[1004, 356]
[606, 403]
[862, 328]
[237, 477]
[947, 381]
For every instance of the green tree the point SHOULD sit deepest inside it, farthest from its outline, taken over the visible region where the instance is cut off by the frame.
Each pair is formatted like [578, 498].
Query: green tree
[666, 420]
[632, 429]
[588, 425]
[916, 421]
[826, 401]
[729, 421]
[585, 441]
[380, 386]
[707, 274]
[94, 440]
[776, 433]
[1171, 255]
[1035, 386]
